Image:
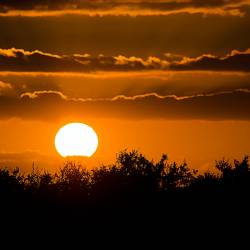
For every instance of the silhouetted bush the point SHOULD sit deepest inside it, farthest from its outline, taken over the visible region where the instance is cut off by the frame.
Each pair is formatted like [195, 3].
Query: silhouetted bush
[132, 182]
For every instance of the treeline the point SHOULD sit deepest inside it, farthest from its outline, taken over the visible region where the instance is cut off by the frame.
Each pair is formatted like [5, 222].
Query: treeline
[134, 189]
[132, 179]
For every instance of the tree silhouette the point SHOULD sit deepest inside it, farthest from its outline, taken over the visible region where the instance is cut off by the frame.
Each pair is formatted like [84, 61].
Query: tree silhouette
[132, 184]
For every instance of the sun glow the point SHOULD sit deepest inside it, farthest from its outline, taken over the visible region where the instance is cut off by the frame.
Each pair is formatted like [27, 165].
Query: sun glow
[76, 139]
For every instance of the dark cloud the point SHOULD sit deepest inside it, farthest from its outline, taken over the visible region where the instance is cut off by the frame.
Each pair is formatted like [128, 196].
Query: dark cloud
[236, 61]
[37, 61]
[18, 60]
[142, 36]
[10, 88]
[123, 7]
[110, 84]
[51, 105]
[102, 4]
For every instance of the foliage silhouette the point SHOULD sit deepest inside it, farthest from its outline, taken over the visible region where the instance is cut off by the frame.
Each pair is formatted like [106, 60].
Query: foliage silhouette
[132, 183]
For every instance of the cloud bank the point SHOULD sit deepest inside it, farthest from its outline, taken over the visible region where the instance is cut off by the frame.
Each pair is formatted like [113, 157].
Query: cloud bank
[121, 7]
[53, 105]
[18, 60]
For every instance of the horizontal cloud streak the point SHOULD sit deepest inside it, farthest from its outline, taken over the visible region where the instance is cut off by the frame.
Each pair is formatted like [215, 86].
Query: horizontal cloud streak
[18, 60]
[235, 61]
[51, 105]
[120, 7]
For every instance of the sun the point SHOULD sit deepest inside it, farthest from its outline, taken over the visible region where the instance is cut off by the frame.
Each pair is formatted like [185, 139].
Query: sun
[76, 139]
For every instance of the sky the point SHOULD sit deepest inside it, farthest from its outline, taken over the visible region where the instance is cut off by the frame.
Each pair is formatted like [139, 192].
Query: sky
[162, 76]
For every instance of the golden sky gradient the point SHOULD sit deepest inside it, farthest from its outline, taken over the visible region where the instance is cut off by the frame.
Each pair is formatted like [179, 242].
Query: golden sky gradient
[165, 76]
[198, 142]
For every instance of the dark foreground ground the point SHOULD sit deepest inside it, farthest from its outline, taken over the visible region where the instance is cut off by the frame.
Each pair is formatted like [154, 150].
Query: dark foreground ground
[134, 195]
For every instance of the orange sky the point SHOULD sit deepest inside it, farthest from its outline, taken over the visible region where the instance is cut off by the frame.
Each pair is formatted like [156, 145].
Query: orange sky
[164, 76]
[198, 142]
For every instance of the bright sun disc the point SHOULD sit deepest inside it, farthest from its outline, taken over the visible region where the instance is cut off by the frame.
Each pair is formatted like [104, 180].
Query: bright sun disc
[76, 139]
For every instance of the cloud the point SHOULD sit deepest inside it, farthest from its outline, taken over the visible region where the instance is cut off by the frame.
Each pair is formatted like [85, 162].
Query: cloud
[13, 88]
[120, 7]
[18, 60]
[5, 88]
[4, 85]
[36, 94]
[38, 61]
[235, 61]
[53, 105]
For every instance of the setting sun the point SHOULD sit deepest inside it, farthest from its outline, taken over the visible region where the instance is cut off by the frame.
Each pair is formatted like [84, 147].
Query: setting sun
[76, 139]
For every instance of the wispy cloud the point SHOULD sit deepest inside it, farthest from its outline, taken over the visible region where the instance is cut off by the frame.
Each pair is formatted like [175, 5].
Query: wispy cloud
[120, 7]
